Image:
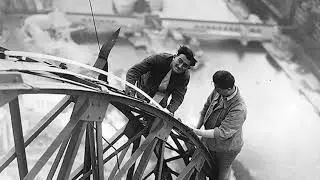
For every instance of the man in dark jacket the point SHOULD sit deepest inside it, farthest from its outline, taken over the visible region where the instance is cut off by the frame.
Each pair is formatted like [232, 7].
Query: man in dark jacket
[162, 75]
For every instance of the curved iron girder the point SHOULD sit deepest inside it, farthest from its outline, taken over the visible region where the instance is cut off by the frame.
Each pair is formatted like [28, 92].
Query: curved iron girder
[102, 61]
[143, 106]
[114, 96]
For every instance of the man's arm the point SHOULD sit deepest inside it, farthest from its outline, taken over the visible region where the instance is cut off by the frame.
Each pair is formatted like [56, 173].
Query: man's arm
[204, 111]
[209, 133]
[231, 123]
[177, 98]
[136, 71]
[229, 126]
[178, 94]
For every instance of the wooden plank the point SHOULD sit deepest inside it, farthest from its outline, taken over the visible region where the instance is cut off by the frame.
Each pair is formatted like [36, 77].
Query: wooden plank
[86, 174]
[46, 70]
[57, 159]
[134, 157]
[114, 139]
[158, 172]
[87, 154]
[166, 131]
[79, 108]
[6, 97]
[38, 67]
[18, 137]
[189, 174]
[180, 148]
[72, 150]
[137, 154]
[102, 60]
[99, 149]
[138, 135]
[144, 160]
[65, 133]
[12, 81]
[96, 110]
[68, 79]
[160, 130]
[7, 80]
[119, 161]
[51, 83]
[36, 130]
[148, 175]
[136, 145]
[197, 176]
[76, 173]
[187, 171]
[93, 152]
[34, 82]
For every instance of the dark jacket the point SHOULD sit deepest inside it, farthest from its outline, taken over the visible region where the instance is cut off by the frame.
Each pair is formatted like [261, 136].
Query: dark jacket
[227, 118]
[149, 73]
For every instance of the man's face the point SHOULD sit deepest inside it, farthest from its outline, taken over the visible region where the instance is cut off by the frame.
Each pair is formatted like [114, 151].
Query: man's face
[180, 64]
[223, 92]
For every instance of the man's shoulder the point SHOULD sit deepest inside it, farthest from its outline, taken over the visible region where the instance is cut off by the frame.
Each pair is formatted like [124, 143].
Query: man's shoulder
[187, 74]
[240, 103]
[163, 55]
[160, 58]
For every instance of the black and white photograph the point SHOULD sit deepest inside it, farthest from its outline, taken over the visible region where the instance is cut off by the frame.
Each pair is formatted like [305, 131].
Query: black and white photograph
[160, 89]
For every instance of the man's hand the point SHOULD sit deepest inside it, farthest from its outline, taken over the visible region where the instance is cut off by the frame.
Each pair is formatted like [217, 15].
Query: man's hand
[129, 91]
[196, 131]
[167, 111]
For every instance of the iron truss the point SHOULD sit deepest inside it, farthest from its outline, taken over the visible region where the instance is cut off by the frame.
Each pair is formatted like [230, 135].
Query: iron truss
[150, 145]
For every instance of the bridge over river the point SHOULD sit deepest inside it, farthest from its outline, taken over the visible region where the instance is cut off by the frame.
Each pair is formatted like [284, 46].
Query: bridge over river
[201, 29]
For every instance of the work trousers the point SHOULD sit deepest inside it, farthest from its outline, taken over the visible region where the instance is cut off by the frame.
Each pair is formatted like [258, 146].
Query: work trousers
[223, 161]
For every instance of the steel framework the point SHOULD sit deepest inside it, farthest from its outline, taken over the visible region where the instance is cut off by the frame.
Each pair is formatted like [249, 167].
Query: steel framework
[161, 146]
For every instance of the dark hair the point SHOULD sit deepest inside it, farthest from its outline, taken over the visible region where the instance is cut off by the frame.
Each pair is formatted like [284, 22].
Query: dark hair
[188, 53]
[223, 79]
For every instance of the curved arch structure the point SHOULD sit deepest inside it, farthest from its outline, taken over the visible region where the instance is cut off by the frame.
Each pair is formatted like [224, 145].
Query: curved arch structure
[150, 144]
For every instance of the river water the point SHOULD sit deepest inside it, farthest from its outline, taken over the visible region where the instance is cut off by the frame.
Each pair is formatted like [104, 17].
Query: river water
[281, 129]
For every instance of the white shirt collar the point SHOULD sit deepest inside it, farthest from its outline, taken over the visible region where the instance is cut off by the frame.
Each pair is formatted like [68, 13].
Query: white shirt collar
[233, 94]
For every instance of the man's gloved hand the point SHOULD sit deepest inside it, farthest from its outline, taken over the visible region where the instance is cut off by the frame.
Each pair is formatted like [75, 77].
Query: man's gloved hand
[129, 91]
